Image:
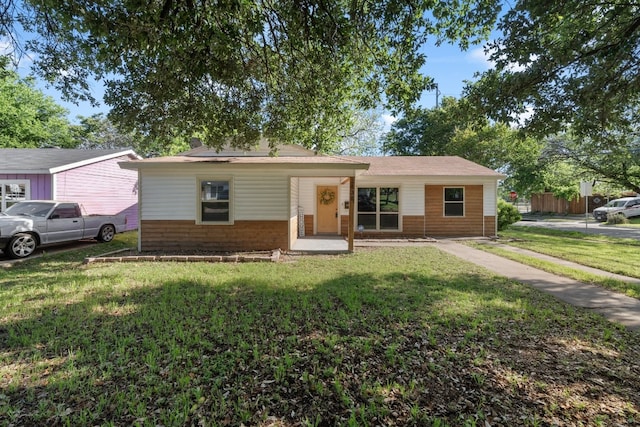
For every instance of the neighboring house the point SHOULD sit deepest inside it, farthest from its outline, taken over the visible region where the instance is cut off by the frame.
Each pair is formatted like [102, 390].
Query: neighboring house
[232, 201]
[89, 177]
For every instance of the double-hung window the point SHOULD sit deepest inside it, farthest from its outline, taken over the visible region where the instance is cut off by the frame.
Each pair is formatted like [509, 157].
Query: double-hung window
[454, 201]
[378, 208]
[13, 192]
[215, 201]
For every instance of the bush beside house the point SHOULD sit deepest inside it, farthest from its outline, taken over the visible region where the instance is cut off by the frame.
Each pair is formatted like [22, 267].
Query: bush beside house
[507, 214]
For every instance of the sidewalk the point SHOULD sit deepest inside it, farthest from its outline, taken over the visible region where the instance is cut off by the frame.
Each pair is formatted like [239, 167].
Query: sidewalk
[613, 306]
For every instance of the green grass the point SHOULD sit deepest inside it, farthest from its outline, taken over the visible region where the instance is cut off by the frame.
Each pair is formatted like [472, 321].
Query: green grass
[633, 223]
[629, 289]
[611, 254]
[391, 336]
[553, 217]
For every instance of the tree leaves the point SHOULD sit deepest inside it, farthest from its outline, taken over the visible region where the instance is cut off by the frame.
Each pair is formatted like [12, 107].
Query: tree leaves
[573, 63]
[230, 72]
[456, 129]
[28, 118]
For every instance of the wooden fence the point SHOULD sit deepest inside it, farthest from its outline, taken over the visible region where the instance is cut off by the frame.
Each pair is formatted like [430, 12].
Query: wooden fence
[547, 202]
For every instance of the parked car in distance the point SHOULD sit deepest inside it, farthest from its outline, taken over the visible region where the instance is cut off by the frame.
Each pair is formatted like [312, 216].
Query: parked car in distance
[28, 224]
[627, 206]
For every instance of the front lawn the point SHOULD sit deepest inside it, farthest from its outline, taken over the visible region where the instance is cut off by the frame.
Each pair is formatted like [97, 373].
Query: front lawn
[391, 336]
[608, 254]
[611, 254]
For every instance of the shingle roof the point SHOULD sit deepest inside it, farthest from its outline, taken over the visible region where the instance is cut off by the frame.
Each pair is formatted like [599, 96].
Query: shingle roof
[444, 166]
[260, 149]
[52, 160]
[321, 161]
[424, 166]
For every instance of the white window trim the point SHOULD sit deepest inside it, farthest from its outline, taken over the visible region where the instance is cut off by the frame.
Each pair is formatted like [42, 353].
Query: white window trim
[3, 182]
[464, 201]
[199, 181]
[377, 212]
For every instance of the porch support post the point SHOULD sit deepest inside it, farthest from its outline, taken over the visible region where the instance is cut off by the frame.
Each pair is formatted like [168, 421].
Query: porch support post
[352, 204]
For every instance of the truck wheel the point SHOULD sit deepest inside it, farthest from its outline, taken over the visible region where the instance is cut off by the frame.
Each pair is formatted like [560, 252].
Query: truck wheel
[106, 234]
[21, 245]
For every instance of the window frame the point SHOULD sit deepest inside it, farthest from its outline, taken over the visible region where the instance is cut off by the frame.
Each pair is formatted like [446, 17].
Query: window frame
[4, 182]
[66, 211]
[200, 199]
[378, 212]
[446, 202]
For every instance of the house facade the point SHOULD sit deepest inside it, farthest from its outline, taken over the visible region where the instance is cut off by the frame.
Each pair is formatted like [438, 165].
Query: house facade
[92, 178]
[231, 201]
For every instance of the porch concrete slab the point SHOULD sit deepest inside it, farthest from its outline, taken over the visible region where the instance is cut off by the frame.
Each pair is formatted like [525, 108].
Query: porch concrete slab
[613, 306]
[321, 244]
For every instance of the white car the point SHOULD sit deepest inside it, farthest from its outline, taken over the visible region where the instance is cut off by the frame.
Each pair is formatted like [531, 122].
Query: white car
[627, 206]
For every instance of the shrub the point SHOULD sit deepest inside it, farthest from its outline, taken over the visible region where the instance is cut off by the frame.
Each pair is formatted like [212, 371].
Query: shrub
[617, 218]
[507, 214]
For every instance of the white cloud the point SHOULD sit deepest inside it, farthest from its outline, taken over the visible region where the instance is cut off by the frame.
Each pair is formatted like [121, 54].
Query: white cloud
[482, 56]
[387, 120]
[479, 56]
[23, 60]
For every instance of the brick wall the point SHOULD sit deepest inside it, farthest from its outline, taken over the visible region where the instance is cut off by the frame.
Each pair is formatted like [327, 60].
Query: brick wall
[241, 236]
[412, 226]
[308, 225]
[437, 225]
[490, 226]
[344, 225]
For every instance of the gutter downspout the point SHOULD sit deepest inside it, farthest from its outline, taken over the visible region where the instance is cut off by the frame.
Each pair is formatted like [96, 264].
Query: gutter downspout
[424, 214]
[352, 191]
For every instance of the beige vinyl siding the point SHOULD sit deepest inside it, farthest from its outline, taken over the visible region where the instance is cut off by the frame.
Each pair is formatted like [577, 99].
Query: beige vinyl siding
[261, 196]
[343, 198]
[307, 195]
[293, 211]
[490, 199]
[172, 195]
[412, 198]
[167, 196]
[293, 204]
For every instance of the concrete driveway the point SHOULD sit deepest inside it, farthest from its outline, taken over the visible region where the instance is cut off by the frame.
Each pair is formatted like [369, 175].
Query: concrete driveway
[591, 227]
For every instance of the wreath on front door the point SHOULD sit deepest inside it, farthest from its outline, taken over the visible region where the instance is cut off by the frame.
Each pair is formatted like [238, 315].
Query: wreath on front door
[327, 197]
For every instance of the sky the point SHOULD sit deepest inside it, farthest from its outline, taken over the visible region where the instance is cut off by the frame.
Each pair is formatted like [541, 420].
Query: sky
[447, 64]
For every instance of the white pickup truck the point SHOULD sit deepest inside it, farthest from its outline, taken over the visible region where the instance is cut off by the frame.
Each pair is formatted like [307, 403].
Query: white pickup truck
[26, 225]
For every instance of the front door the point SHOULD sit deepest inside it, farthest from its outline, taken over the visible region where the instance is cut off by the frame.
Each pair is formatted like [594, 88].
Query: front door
[327, 209]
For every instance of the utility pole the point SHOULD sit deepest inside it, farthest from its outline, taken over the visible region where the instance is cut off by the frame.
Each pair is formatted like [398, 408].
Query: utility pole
[437, 95]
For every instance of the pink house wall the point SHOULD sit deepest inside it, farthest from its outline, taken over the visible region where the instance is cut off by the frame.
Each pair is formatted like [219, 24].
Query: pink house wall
[101, 188]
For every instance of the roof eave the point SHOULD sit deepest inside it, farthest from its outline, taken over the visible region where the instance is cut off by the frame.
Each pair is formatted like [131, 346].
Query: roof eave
[334, 166]
[92, 160]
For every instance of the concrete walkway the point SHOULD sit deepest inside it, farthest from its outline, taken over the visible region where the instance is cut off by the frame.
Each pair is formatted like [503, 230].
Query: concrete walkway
[613, 306]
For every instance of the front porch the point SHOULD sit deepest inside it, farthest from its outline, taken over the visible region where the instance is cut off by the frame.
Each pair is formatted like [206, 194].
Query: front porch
[321, 245]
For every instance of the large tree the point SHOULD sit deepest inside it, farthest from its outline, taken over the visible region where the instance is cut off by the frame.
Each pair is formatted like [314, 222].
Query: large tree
[229, 71]
[566, 64]
[424, 131]
[363, 139]
[98, 132]
[29, 118]
[454, 129]
[616, 164]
